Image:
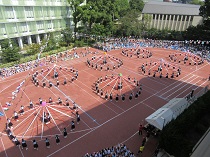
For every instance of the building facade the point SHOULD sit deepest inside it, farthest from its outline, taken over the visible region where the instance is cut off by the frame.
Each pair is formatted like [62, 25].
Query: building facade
[171, 16]
[29, 21]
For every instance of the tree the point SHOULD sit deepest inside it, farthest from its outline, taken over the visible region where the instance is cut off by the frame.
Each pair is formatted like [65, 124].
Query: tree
[130, 24]
[121, 7]
[136, 5]
[9, 51]
[146, 20]
[33, 49]
[90, 14]
[205, 12]
[67, 36]
[76, 8]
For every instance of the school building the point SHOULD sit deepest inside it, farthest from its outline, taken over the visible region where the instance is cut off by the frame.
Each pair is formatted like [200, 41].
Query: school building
[171, 16]
[29, 21]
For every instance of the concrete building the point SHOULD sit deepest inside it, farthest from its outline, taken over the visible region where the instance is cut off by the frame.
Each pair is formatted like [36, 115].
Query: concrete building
[171, 16]
[29, 21]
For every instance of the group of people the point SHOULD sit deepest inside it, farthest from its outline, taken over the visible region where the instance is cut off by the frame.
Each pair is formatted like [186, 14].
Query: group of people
[105, 93]
[138, 52]
[114, 151]
[194, 47]
[104, 63]
[56, 75]
[24, 144]
[186, 57]
[154, 68]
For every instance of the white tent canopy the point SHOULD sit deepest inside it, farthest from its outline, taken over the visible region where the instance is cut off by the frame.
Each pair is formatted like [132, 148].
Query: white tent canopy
[169, 111]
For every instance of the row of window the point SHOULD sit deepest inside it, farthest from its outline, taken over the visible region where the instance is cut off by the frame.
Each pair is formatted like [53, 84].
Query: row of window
[172, 17]
[23, 27]
[33, 12]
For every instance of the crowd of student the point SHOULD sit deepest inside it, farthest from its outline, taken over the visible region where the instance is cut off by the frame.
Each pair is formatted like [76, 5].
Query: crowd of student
[185, 46]
[195, 47]
[121, 150]
[9, 71]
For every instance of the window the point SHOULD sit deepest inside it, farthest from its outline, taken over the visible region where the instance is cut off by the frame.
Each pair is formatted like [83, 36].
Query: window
[29, 12]
[38, 11]
[175, 17]
[168, 17]
[161, 16]
[23, 27]
[1, 16]
[52, 11]
[49, 24]
[180, 17]
[153, 16]
[2, 29]
[191, 18]
[164, 17]
[187, 19]
[157, 16]
[13, 28]
[183, 19]
[9, 13]
[40, 25]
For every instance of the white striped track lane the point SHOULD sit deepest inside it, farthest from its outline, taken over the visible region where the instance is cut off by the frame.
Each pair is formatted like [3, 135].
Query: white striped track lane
[179, 86]
[180, 91]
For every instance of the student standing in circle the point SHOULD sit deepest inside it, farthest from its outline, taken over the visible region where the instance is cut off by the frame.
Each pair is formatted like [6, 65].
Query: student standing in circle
[65, 133]
[24, 144]
[35, 144]
[57, 139]
[47, 142]
[72, 125]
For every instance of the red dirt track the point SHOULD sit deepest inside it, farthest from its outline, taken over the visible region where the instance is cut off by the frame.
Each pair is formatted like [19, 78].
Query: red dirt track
[103, 123]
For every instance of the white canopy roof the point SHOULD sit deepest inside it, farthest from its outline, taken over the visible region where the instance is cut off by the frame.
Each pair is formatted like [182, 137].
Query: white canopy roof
[169, 111]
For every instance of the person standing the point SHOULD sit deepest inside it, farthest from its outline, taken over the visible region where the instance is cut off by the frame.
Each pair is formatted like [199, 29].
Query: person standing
[24, 144]
[72, 125]
[21, 110]
[140, 129]
[65, 133]
[35, 145]
[57, 139]
[78, 117]
[16, 141]
[140, 150]
[16, 116]
[47, 143]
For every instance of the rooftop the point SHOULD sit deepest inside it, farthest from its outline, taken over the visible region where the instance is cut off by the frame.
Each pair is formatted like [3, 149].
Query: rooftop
[154, 7]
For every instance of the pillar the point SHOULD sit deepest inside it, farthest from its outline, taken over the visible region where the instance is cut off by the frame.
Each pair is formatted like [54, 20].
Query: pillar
[20, 42]
[29, 40]
[45, 36]
[38, 39]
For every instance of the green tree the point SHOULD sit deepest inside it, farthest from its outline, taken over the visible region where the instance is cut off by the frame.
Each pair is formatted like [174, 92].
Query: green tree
[9, 51]
[76, 8]
[90, 15]
[67, 36]
[120, 8]
[146, 20]
[205, 12]
[33, 49]
[136, 5]
[130, 24]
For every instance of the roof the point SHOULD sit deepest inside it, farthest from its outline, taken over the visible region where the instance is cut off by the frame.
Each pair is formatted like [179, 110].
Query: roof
[170, 8]
[166, 113]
